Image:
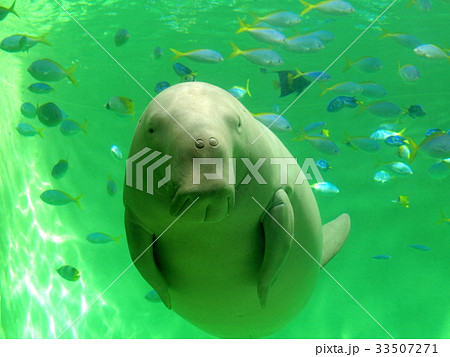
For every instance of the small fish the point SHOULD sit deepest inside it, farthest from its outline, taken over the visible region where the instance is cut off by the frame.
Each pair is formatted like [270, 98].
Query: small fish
[160, 86]
[279, 18]
[122, 36]
[431, 52]
[303, 44]
[188, 78]
[153, 296]
[325, 188]
[260, 56]
[28, 110]
[314, 126]
[323, 165]
[70, 127]
[396, 167]
[342, 102]
[182, 70]
[312, 76]
[60, 169]
[111, 187]
[382, 134]
[403, 152]
[362, 143]
[443, 219]
[440, 170]
[344, 88]
[382, 257]
[276, 108]
[436, 146]
[205, 56]
[5, 11]
[431, 131]
[121, 106]
[332, 7]
[383, 109]
[324, 36]
[273, 121]
[157, 53]
[264, 34]
[364, 64]
[403, 39]
[408, 73]
[423, 5]
[20, 43]
[403, 201]
[419, 247]
[372, 90]
[101, 238]
[289, 84]
[26, 129]
[59, 198]
[396, 140]
[320, 143]
[40, 88]
[47, 70]
[116, 152]
[49, 114]
[240, 92]
[382, 177]
[69, 273]
[416, 111]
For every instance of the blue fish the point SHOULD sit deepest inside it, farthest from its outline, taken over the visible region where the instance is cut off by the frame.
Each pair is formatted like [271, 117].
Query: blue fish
[6, 11]
[28, 110]
[59, 198]
[419, 247]
[373, 90]
[312, 76]
[323, 165]
[18, 43]
[362, 143]
[314, 126]
[239, 92]
[69, 127]
[382, 177]
[121, 37]
[382, 257]
[153, 296]
[111, 187]
[416, 111]
[157, 53]
[260, 56]
[182, 70]
[432, 131]
[395, 140]
[116, 152]
[325, 188]
[60, 169]
[160, 86]
[274, 121]
[26, 129]
[202, 55]
[342, 102]
[49, 114]
[320, 143]
[101, 238]
[47, 70]
[40, 88]
[440, 170]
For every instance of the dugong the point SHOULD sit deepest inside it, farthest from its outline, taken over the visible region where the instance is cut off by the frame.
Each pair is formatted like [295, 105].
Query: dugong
[234, 255]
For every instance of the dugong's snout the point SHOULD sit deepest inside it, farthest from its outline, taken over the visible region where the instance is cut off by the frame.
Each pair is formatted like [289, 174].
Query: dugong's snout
[202, 204]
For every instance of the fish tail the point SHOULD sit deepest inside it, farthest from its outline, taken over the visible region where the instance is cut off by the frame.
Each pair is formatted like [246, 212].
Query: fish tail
[69, 74]
[379, 162]
[39, 131]
[324, 91]
[236, 50]
[255, 16]
[116, 239]
[77, 200]
[414, 149]
[301, 134]
[11, 9]
[346, 139]
[243, 26]
[43, 39]
[443, 218]
[247, 88]
[308, 7]
[385, 33]
[349, 64]
[83, 127]
[178, 54]
[362, 107]
[299, 74]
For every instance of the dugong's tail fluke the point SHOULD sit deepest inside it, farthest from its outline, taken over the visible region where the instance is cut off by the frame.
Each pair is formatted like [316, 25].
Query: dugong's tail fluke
[335, 234]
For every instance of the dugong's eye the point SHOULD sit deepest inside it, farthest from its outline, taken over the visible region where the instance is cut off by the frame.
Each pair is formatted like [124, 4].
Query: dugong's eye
[150, 130]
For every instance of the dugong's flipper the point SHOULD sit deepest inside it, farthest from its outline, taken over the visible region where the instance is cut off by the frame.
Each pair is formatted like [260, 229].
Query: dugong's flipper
[138, 241]
[276, 223]
[335, 233]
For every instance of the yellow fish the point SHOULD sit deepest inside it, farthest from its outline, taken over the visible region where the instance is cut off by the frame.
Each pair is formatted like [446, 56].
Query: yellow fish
[402, 200]
[121, 106]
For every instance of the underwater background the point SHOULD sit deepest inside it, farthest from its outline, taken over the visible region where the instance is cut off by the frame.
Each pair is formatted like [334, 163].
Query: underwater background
[407, 291]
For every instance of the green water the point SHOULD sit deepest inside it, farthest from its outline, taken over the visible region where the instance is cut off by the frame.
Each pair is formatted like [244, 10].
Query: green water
[407, 294]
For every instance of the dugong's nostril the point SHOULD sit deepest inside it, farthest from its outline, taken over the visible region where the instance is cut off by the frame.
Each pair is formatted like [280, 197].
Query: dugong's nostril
[213, 142]
[199, 144]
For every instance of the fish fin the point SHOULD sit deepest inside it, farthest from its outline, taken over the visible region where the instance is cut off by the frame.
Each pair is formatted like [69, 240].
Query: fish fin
[178, 54]
[349, 64]
[414, 148]
[298, 75]
[278, 226]
[346, 138]
[335, 234]
[77, 200]
[324, 91]
[243, 26]
[43, 39]
[83, 127]
[276, 85]
[255, 16]
[401, 132]
[362, 107]
[39, 131]
[116, 239]
[308, 8]
[236, 51]
[11, 9]
[385, 33]
[379, 162]
[301, 134]
[69, 74]
[247, 88]
[443, 218]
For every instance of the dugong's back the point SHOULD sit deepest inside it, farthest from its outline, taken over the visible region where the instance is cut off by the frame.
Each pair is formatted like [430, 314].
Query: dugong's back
[211, 269]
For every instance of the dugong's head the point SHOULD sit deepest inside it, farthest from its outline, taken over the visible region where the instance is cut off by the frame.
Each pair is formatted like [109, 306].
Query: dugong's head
[191, 121]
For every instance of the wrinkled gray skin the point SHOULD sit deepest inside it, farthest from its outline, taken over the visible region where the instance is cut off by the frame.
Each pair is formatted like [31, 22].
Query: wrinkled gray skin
[226, 265]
